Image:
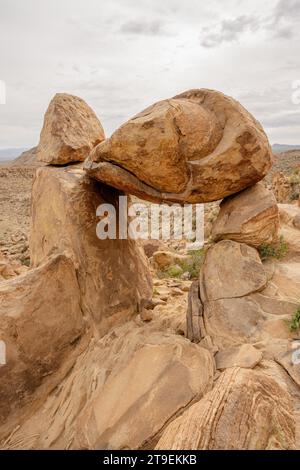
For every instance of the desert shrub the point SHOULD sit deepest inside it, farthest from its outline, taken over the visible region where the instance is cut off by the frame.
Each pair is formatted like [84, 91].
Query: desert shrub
[26, 262]
[295, 196]
[191, 266]
[274, 250]
[294, 322]
[172, 271]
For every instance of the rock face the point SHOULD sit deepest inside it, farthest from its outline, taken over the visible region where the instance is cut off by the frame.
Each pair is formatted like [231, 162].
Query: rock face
[245, 410]
[113, 275]
[231, 270]
[199, 146]
[250, 217]
[151, 399]
[238, 356]
[10, 268]
[120, 393]
[281, 187]
[236, 303]
[41, 321]
[70, 131]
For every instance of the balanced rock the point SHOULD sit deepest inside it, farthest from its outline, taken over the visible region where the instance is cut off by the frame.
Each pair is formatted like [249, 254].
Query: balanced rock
[250, 216]
[199, 146]
[234, 416]
[113, 274]
[70, 131]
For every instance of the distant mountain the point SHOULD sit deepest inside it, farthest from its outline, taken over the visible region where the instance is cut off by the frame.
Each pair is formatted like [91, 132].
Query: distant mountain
[278, 148]
[27, 158]
[10, 154]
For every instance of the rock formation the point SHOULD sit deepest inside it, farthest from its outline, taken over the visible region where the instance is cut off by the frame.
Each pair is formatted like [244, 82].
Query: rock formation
[93, 361]
[70, 131]
[199, 146]
[113, 275]
[41, 323]
[250, 216]
[281, 187]
[245, 410]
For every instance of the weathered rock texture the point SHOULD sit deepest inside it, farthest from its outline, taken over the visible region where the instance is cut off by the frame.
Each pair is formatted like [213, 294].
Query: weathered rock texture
[244, 355]
[199, 146]
[113, 275]
[250, 216]
[245, 410]
[70, 131]
[281, 187]
[240, 300]
[121, 392]
[41, 321]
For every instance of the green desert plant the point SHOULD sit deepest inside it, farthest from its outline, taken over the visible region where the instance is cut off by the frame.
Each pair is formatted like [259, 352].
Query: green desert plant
[192, 266]
[294, 322]
[274, 250]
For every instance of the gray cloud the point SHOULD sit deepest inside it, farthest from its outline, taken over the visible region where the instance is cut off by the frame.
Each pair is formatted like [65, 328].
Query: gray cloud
[122, 55]
[228, 30]
[144, 27]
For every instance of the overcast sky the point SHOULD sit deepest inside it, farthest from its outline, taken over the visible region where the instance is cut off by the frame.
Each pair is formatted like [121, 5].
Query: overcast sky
[122, 55]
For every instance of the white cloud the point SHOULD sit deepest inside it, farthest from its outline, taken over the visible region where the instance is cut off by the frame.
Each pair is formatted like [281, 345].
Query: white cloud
[122, 55]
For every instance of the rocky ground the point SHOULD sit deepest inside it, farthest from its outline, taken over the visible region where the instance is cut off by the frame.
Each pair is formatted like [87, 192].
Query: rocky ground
[15, 195]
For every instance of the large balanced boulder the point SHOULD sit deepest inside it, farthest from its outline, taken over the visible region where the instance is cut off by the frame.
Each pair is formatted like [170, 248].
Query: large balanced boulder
[41, 323]
[246, 410]
[199, 146]
[113, 274]
[251, 217]
[70, 131]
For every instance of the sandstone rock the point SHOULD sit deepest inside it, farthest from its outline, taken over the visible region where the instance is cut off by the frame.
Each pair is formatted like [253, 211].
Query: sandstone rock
[151, 246]
[151, 399]
[244, 355]
[250, 216]
[70, 131]
[290, 361]
[281, 187]
[41, 320]
[245, 410]
[10, 268]
[296, 221]
[199, 146]
[164, 259]
[120, 393]
[113, 275]
[233, 321]
[231, 270]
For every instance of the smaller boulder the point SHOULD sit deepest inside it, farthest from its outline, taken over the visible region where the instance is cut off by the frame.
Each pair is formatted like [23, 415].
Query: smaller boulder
[296, 221]
[250, 216]
[70, 131]
[244, 355]
[165, 259]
